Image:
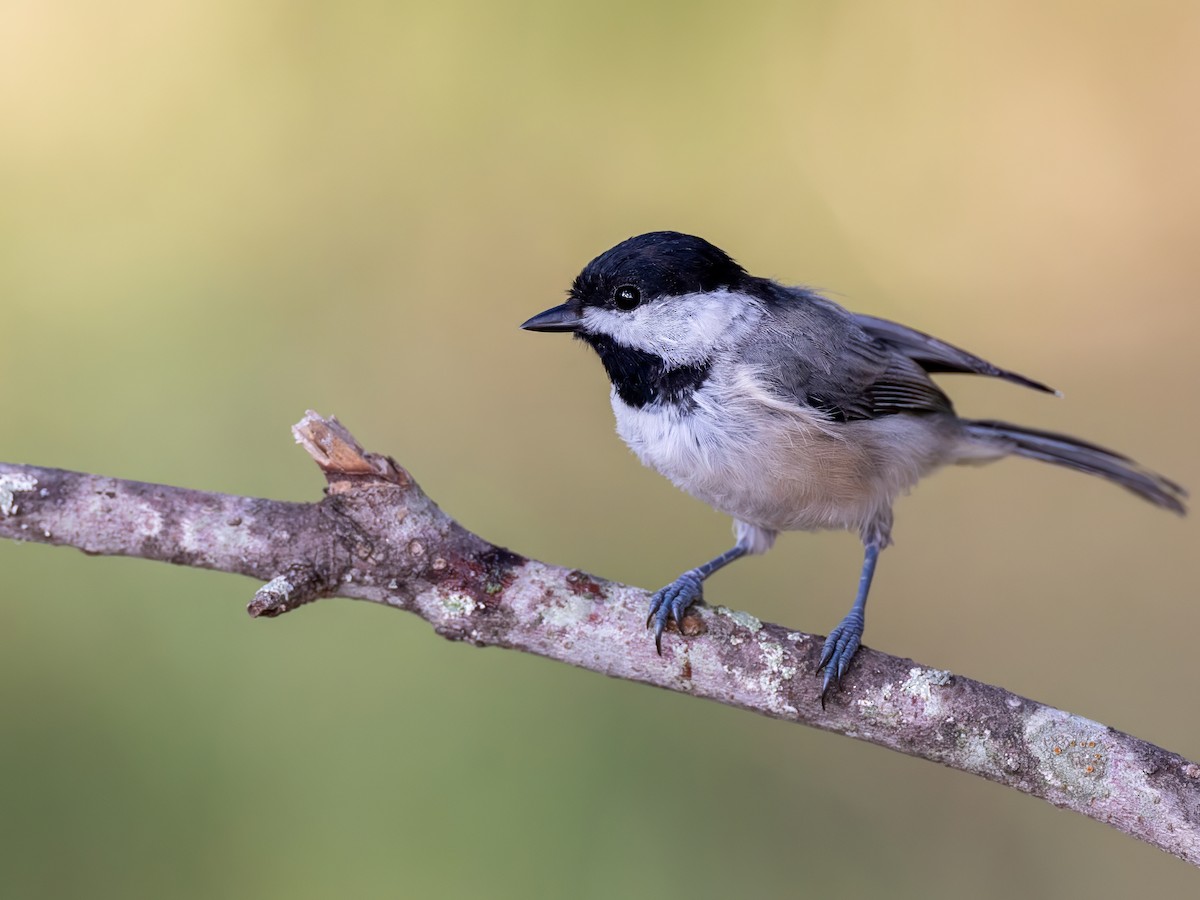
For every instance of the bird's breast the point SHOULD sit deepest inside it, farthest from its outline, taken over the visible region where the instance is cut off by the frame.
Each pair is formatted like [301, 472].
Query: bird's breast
[774, 464]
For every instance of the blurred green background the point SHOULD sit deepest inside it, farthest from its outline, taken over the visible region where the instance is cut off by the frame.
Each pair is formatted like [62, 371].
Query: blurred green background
[218, 215]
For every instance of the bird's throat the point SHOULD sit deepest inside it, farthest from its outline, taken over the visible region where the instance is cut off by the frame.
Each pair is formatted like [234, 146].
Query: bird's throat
[642, 378]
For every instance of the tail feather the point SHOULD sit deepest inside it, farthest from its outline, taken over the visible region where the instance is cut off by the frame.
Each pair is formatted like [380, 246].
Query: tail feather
[1062, 450]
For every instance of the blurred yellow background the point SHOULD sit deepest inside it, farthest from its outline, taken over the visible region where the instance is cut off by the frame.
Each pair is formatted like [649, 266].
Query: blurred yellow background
[216, 215]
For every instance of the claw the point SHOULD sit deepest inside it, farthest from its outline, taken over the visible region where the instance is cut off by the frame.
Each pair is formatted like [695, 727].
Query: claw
[826, 653]
[839, 649]
[659, 625]
[825, 685]
[671, 602]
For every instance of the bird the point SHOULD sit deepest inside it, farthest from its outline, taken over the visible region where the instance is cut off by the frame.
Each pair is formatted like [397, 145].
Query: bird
[780, 408]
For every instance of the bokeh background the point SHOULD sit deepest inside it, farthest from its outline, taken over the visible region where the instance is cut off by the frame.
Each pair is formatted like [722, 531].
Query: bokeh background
[216, 215]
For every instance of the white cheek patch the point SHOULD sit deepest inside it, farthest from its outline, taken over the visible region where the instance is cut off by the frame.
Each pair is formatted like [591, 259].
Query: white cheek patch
[682, 330]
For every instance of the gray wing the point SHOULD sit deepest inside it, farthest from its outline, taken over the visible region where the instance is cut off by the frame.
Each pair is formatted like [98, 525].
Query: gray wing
[817, 354]
[934, 355]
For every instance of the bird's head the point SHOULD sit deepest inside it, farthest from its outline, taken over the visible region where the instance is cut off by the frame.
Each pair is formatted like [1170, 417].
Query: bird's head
[670, 295]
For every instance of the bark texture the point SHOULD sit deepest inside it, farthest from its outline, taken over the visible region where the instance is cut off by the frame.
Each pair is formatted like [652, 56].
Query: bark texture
[376, 536]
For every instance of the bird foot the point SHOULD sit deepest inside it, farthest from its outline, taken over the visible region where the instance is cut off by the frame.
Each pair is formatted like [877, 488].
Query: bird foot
[839, 649]
[672, 601]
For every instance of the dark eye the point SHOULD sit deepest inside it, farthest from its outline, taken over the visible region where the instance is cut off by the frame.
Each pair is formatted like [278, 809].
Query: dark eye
[627, 297]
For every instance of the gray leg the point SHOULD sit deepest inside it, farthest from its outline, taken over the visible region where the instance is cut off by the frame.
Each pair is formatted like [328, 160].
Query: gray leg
[842, 642]
[672, 601]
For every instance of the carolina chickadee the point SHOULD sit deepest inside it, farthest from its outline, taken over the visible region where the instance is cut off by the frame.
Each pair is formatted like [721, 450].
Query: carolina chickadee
[782, 409]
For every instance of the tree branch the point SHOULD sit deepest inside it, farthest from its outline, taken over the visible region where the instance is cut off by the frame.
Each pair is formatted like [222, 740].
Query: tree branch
[376, 536]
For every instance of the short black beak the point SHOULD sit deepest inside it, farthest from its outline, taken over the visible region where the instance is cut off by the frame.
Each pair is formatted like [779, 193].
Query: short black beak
[560, 318]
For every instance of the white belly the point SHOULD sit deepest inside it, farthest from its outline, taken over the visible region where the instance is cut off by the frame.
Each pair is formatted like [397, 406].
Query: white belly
[781, 467]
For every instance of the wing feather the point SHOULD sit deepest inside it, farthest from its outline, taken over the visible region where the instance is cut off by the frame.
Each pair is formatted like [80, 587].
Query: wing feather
[935, 355]
[819, 355]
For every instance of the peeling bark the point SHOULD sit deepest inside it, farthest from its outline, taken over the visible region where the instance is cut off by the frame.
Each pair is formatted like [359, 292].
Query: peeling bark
[376, 536]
